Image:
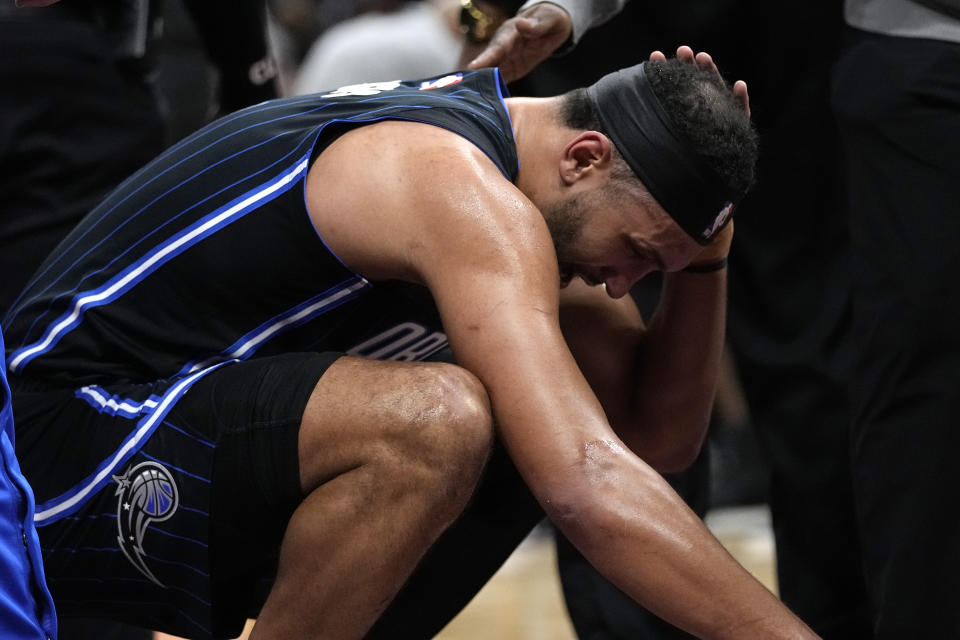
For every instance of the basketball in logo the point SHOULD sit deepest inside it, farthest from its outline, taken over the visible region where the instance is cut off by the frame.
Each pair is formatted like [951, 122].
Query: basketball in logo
[145, 494]
[153, 493]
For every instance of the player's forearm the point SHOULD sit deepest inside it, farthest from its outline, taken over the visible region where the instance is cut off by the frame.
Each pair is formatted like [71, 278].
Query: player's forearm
[636, 531]
[678, 362]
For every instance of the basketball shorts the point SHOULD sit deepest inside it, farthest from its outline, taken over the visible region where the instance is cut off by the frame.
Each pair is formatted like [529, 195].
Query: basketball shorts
[164, 505]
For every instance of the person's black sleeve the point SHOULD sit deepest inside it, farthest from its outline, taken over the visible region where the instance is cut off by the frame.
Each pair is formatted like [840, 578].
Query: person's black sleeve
[234, 35]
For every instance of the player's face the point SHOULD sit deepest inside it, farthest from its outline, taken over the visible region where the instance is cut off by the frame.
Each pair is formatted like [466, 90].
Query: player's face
[616, 243]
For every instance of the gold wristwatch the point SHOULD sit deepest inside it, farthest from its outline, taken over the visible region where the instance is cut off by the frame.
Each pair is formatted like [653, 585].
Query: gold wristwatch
[477, 25]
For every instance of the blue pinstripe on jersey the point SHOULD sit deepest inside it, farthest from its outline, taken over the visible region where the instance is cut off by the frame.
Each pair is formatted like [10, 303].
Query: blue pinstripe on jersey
[135, 273]
[142, 239]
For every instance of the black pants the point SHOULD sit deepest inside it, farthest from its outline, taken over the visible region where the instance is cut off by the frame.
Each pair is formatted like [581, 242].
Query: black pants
[898, 105]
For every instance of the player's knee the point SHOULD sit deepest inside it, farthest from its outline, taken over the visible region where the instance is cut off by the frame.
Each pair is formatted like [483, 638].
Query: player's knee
[455, 431]
[458, 418]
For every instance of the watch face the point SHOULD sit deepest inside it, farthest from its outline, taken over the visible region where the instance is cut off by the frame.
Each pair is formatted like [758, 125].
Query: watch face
[476, 25]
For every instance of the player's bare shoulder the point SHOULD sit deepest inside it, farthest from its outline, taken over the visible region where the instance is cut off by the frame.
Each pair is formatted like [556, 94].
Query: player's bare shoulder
[391, 196]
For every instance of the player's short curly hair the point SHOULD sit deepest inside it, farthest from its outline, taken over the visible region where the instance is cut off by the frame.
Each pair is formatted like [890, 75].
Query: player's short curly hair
[702, 109]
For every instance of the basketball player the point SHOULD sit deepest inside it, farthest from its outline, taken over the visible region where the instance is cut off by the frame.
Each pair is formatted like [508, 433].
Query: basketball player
[213, 372]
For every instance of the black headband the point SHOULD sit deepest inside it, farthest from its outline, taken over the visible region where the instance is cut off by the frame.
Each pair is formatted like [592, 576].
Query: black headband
[675, 176]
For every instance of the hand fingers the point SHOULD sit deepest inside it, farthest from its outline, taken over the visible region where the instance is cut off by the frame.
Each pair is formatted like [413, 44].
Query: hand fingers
[685, 53]
[501, 46]
[705, 61]
[489, 57]
[536, 36]
[658, 56]
[741, 95]
[533, 26]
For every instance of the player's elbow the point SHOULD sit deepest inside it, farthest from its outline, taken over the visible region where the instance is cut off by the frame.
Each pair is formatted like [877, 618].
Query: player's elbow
[580, 513]
[669, 450]
[585, 501]
[675, 457]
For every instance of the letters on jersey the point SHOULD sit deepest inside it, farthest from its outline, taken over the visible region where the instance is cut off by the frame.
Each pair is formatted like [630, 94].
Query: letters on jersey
[408, 341]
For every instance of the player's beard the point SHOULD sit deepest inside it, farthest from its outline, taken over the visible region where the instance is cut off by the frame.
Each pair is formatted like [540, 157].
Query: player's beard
[566, 220]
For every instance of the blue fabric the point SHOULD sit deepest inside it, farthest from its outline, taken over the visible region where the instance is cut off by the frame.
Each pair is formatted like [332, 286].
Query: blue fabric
[26, 608]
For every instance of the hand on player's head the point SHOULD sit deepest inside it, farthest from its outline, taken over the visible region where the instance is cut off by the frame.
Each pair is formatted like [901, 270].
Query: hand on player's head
[705, 61]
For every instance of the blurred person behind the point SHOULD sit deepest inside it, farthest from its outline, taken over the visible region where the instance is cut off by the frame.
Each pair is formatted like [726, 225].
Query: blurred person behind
[87, 111]
[411, 40]
[896, 94]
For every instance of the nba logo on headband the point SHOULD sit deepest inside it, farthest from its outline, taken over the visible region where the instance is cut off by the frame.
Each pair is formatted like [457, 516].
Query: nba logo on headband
[719, 221]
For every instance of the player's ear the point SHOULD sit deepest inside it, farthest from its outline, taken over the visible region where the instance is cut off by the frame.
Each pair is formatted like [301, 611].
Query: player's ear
[586, 156]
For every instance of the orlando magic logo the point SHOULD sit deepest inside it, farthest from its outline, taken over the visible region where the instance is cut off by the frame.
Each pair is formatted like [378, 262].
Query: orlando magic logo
[147, 494]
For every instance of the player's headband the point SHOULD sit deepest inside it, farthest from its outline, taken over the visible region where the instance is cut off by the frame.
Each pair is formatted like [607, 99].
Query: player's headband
[676, 176]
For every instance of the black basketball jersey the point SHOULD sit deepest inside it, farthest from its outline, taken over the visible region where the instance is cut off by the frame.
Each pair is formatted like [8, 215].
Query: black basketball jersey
[208, 254]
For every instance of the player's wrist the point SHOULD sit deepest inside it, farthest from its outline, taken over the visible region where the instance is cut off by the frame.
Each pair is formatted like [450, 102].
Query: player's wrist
[706, 266]
[713, 257]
